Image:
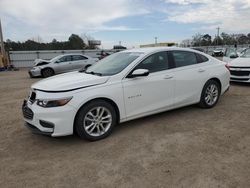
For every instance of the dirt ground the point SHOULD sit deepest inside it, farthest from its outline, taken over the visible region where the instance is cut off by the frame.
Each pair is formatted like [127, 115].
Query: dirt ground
[188, 147]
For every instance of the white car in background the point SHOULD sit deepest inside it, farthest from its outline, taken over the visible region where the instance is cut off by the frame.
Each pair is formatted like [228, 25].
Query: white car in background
[218, 52]
[60, 64]
[121, 87]
[232, 53]
[240, 67]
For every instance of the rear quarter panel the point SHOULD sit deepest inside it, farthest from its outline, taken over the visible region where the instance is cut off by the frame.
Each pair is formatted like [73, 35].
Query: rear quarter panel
[219, 70]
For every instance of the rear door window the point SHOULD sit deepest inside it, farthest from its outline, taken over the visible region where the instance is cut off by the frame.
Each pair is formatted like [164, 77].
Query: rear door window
[201, 58]
[184, 58]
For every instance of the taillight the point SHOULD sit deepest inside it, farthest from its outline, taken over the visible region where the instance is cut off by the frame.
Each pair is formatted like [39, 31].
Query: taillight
[227, 66]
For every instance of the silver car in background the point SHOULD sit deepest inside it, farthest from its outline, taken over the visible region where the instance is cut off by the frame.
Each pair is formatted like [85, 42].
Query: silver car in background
[60, 64]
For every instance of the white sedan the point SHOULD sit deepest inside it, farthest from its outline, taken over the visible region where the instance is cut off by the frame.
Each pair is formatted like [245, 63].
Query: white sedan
[240, 67]
[121, 87]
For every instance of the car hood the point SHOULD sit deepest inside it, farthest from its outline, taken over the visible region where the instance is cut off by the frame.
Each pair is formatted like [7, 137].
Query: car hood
[240, 62]
[39, 62]
[69, 82]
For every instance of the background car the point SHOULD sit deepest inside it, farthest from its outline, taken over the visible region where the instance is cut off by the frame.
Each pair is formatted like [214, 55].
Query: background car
[60, 64]
[218, 52]
[230, 54]
[240, 67]
[124, 86]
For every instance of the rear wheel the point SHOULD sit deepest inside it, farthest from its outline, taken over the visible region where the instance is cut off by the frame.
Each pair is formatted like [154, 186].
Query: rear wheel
[95, 120]
[210, 94]
[47, 72]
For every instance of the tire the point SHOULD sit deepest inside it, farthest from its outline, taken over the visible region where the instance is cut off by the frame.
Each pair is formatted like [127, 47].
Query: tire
[90, 126]
[210, 94]
[47, 72]
[31, 76]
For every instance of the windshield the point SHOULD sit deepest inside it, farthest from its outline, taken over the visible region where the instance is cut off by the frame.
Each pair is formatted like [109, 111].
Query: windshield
[240, 50]
[246, 53]
[230, 51]
[113, 64]
[56, 58]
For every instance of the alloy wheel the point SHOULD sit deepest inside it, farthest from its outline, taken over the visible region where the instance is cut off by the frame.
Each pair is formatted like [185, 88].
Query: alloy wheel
[211, 94]
[97, 121]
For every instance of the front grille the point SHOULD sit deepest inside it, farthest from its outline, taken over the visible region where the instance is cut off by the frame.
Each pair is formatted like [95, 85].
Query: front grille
[32, 97]
[239, 73]
[239, 79]
[27, 112]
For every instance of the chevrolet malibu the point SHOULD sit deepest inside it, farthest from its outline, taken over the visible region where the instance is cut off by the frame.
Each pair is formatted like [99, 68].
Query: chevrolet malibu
[121, 87]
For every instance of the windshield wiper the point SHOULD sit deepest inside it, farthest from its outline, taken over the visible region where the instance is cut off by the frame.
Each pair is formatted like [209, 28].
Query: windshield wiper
[94, 73]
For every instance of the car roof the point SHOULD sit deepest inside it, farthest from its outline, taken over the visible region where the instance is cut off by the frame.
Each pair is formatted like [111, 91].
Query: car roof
[73, 54]
[155, 49]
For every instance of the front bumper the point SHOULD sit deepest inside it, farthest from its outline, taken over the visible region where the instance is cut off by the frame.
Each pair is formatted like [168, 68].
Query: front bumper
[240, 74]
[35, 130]
[57, 121]
[34, 73]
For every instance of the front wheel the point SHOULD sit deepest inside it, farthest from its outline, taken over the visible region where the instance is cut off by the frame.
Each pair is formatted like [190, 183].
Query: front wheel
[47, 72]
[95, 120]
[210, 94]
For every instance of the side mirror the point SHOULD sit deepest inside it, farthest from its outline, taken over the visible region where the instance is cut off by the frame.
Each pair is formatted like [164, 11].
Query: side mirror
[233, 56]
[139, 73]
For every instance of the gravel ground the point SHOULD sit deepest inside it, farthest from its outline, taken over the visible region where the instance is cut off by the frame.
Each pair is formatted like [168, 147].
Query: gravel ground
[188, 147]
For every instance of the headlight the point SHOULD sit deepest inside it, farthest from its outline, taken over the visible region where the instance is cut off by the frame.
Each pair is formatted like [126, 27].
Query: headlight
[47, 103]
[35, 68]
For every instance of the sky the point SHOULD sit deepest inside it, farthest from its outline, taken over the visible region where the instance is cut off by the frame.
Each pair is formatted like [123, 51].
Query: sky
[133, 22]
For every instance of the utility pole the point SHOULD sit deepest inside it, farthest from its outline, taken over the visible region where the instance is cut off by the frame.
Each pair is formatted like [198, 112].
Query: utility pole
[120, 43]
[156, 40]
[218, 34]
[1, 40]
[5, 57]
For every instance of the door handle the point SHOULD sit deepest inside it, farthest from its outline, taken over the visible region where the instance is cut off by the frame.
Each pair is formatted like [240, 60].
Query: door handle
[168, 77]
[201, 70]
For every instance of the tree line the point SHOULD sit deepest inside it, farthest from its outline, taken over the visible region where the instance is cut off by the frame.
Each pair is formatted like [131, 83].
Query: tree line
[223, 39]
[74, 42]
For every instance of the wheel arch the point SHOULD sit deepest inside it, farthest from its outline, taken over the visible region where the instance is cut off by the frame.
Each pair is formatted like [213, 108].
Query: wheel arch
[99, 98]
[47, 68]
[217, 80]
[213, 78]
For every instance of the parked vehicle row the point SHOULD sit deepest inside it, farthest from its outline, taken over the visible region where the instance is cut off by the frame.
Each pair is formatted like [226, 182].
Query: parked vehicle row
[121, 87]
